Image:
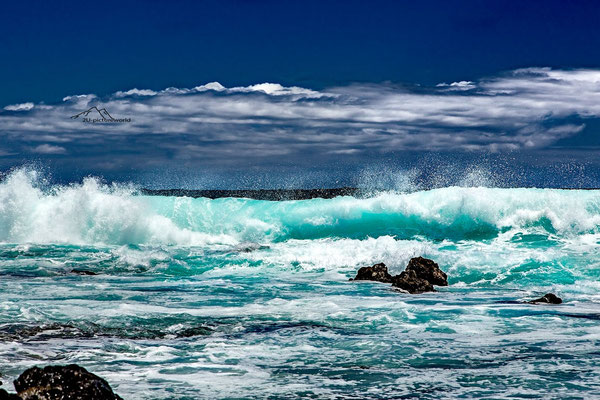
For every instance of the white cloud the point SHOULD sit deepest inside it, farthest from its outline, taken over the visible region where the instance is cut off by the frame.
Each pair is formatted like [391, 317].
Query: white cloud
[275, 89]
[19, 107]
[48, 149]
[462, 85]
[80, 97]
[524, 109]
[136, 92]
[216, 86]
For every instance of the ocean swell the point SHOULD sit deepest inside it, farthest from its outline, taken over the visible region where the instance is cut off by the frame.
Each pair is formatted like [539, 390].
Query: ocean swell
[96, 213]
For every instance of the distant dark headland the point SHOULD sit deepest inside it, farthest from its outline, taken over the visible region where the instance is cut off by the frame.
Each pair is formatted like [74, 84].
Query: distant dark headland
[258, 194]
[277, 194]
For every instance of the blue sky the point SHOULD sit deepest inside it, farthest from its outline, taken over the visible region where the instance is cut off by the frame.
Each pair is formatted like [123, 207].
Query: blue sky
[227, 87]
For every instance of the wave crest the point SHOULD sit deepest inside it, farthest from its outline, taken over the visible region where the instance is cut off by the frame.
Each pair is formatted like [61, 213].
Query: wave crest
[96, 213]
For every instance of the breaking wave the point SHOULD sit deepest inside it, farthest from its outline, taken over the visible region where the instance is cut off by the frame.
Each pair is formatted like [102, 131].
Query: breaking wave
[95, 213]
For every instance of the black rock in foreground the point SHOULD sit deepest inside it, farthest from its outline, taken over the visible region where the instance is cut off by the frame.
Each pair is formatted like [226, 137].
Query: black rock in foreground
[70, 382]
[4, 395]
[548, 298]
[377, 272]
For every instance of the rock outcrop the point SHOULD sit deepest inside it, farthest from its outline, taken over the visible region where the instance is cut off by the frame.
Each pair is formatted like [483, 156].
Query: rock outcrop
[419, 276]
[548, 298]
[70, 382]
[410, 282]
[429, 270]
[377, 272]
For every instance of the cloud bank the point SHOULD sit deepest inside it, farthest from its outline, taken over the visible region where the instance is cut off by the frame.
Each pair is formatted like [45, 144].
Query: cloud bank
[530, 108]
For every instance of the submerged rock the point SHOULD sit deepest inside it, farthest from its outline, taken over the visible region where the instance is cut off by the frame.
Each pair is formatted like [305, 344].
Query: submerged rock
[548, 298]
[82, 272]
[62, 382]
[377, 272]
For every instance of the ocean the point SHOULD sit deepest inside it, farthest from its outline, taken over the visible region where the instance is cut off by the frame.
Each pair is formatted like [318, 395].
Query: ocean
[231, 298]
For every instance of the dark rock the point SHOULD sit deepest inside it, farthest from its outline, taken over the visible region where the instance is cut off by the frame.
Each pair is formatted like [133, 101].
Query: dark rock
[548, 298]
[419, 276]
[428, 270]
[4, 395]
[83, 272]
[377, 272]
[260, 194]
[409, 281]
[62, 382]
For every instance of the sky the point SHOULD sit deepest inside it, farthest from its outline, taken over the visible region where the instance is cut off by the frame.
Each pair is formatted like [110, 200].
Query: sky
[238, 93]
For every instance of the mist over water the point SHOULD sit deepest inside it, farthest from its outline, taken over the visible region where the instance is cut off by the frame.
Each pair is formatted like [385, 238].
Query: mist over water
[239, 298]
[405, 171]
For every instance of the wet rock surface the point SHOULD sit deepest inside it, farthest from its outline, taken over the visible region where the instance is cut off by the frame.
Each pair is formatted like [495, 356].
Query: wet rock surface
[70, 382]
[428, 270]
[4, 395]
[410, 282]
[548, 298]
[25, 333]
[419, 276]
[377, 272]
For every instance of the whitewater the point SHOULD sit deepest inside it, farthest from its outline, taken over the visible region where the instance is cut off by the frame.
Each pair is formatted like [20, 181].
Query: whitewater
[242, 298]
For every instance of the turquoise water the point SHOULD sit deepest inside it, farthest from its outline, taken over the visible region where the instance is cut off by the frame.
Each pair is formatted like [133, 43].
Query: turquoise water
[238, 298]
